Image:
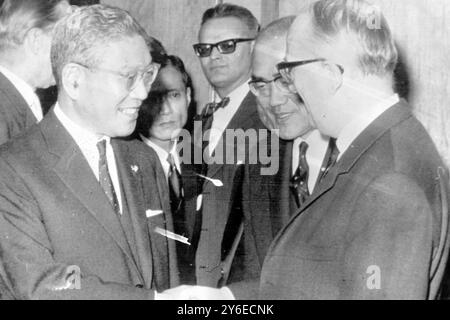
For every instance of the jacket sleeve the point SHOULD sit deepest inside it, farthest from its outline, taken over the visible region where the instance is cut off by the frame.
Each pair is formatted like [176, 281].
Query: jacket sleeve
[27, 256]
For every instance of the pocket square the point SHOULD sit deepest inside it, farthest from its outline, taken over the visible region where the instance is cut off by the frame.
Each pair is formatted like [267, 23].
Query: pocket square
[151, 213]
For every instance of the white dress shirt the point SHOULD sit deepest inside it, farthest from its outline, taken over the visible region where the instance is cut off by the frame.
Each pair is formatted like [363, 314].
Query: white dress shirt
[317, 148]
[26, 91]
[223, 116]
[163, 154]
[87, 142]
[352, 130]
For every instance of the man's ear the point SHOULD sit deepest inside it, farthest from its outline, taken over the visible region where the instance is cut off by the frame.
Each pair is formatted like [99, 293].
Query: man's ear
[72, 77]
[335, 74]
[189, 96]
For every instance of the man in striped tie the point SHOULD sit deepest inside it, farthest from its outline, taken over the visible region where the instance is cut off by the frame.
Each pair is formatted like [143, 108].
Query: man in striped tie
[81, 209]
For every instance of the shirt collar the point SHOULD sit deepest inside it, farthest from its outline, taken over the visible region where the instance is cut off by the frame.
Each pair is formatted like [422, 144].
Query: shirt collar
[353, 129]
[163, 154]
[81, 136]
[237, 94]
[22, 86]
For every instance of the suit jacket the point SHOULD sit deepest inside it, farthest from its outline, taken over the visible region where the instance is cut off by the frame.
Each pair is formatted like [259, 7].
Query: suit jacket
[223, 208]
[373, 227]
[15, 114]
[57, 216]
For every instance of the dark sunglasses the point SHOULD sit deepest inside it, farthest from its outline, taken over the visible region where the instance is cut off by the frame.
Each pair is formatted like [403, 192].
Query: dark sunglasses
[204, 50]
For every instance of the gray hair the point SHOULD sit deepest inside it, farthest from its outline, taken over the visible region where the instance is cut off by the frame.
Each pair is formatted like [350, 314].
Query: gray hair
[17, 17]
[80, 36]
[378, 54]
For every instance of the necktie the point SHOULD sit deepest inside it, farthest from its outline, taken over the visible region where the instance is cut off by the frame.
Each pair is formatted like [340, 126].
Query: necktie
[330, 159]
[207, 116]
[299, 182]
[175, 185]
[105, 178]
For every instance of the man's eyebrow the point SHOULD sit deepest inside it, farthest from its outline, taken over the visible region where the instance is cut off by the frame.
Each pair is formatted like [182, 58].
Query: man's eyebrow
[256, 78]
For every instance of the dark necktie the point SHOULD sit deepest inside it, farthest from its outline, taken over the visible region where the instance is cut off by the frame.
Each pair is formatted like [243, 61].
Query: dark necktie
[105, 178]
[329, 161]
[299, 182]
[175, 185]
[207, 114]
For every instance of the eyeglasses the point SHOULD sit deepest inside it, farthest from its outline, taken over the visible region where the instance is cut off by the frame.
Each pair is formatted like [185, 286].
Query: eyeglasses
[285, 68]
[204, 50]
[261, 87]
[147, 76]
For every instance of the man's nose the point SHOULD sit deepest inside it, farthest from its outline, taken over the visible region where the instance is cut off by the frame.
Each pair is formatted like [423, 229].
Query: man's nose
[277, 98]
[215, 54]
[165, 107]
[139, 92]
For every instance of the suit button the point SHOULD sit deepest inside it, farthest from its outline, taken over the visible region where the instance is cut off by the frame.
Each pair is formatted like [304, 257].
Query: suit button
[140, 286]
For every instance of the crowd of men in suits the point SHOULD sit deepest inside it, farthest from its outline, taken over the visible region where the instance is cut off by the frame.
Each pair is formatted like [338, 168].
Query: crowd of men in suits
[104, 197]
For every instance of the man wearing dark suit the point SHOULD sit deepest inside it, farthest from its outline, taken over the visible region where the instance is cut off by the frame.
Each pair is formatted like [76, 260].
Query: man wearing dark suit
[219, 209]
[376, 227]
[24, 60]
[84, 212]
[161, 120]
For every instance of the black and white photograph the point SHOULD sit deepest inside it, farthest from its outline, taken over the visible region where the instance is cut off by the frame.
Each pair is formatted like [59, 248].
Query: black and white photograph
[254, 151]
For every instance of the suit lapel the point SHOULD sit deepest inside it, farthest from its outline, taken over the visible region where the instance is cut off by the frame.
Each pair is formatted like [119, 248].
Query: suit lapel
[166, 265]
[73, 169]
[282, 212]
[20, 104]
[132, 188]
[359, 146]
[244, 119]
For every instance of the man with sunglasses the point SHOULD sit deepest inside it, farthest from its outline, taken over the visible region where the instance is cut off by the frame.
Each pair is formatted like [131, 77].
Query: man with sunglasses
[226, 40]
[76, 201]
[377, 226]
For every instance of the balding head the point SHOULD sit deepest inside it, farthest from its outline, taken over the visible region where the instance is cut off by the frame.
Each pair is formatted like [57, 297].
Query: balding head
[277, 106]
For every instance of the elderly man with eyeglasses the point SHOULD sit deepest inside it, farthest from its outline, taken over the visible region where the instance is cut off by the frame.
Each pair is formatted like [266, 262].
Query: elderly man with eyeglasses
[307, 152]
[81, 209]
[377, 226]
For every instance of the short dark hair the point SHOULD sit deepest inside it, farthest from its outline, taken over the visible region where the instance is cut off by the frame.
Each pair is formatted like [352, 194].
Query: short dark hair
[17, 17]
[157, 50]
[226, 10]
[151, 107]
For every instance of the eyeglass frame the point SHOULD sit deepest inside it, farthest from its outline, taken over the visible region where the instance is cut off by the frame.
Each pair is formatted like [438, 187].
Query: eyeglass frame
[139, 75]
[268, 82]
[285, 67]
[217, 44]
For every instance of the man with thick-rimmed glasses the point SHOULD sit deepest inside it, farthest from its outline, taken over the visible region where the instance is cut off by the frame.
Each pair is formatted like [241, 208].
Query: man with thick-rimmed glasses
[302, 164]
[377, 227]
[226, 41]
[83, 215]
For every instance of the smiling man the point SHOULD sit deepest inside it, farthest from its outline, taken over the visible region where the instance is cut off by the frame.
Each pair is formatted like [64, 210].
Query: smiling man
[307, 151]
[376, 228]
[73, 197]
